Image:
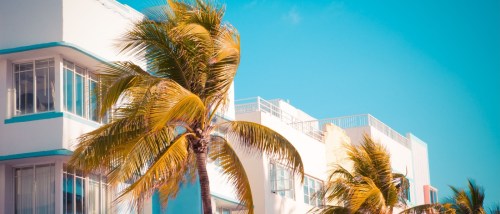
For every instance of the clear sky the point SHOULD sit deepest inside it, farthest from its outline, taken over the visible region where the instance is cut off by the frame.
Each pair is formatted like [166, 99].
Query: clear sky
[427, 67]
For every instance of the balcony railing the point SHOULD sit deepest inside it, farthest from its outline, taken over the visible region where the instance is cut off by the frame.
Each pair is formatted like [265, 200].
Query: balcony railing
[258, 104]
[366, 120]
[313, 128]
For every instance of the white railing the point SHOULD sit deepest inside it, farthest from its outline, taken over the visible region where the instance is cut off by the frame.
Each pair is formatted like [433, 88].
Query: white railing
[258, 104]
[313, 128]
[374, 122]
[366, 120]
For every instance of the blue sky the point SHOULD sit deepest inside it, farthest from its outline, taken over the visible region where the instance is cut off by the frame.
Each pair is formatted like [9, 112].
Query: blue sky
[427, 67]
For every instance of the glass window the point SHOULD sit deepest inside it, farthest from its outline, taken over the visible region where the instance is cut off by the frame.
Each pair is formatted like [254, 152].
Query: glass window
[35, 189]
[80, 88]
[408, 193]
[68, 86]
[433, 196]
[84, 194]
[34, 86]
[311, 186]
[281, 181]
[93, 97]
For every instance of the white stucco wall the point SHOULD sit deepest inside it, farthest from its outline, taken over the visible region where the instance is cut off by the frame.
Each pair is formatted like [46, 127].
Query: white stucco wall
[5, 108]
[97, 25]
[28, 22]
[402, 157]
[421, 166]
[92, 25]
[313, 157]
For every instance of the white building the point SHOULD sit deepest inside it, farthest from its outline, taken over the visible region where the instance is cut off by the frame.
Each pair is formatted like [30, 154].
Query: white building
[320, 144]
[408, 153]
[49, 52]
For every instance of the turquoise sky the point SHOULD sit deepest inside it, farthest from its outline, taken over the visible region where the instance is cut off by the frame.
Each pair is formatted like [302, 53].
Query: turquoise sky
[427, 67]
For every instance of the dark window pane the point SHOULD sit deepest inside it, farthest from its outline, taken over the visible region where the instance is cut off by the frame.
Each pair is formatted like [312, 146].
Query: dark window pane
[26, 92]
[79, 97]
[92, 100]
[68, 90]
[80, 196]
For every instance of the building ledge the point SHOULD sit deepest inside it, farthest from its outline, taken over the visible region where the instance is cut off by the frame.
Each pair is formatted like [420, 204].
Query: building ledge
[64, 152]
[33, 117]
[50, 115]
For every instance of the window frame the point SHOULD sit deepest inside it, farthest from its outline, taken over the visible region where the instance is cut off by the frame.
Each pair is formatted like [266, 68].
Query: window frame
[104, 192]
[17, 112]
[433, 196]
[273, 178]
[88, 77]
[318, 185]
[34, 183]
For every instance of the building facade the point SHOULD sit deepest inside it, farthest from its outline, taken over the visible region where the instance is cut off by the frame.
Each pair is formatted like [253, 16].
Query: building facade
[50, 52]
[321, 144]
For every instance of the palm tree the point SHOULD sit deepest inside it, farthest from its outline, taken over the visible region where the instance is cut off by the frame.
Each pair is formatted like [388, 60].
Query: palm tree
[371, 186]
[462, 202]
[468, 202]
[163, 130]
[495, 209]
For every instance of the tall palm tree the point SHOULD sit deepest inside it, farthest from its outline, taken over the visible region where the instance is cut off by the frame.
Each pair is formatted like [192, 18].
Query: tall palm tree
[468, 202]
[163, 130]
[370, 187]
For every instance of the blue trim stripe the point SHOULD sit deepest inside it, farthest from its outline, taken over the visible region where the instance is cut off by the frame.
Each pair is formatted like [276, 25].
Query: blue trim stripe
[37, 154]
[52, 44]
[32, 117]
[50, 115]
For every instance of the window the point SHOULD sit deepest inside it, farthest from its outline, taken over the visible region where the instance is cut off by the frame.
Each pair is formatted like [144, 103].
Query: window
[35, 189]
[433, 194]
[79, 91]
[34, 86]
[311, 186]
[408, 193]
[85, 194]
[224, 211]
[281, 181]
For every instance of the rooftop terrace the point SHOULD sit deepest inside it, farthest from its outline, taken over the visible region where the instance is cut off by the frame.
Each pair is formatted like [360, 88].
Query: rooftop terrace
[314, 128]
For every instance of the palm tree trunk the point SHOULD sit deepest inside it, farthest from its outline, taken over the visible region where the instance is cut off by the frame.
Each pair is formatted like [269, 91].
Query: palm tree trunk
[201, 163]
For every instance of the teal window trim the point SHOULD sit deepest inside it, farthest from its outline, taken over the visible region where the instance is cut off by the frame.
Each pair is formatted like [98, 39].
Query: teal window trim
[52, 44]
[64, 152]
[51, 115]
[80, 119]
[33, 117]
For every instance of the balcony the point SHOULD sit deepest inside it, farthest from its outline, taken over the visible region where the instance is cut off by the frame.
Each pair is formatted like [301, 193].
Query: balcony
[366, 120]
[271, 107]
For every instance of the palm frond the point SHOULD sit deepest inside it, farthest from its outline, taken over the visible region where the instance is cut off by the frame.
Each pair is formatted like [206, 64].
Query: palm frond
[177, 106]
[166, 165]
[371, 186]
[220, 150]
[470, 201]
[255, 137]
[401, 188]
[97, 150]
[366, 192]
[330, 209]
[495, 209]
[117, 79]
[430, 209]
